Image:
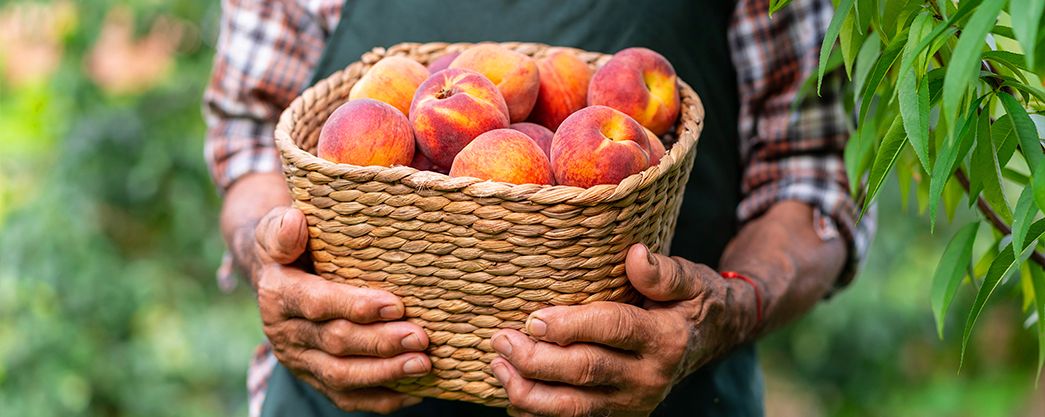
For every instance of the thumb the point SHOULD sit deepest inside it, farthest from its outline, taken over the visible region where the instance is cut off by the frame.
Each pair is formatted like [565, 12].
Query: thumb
[282, 234]
[663, 278]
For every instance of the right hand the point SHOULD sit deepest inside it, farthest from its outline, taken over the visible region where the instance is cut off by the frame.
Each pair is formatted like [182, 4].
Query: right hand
[345, 341]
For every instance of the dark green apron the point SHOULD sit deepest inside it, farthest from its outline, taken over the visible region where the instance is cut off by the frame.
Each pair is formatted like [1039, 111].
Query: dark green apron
[692, 35]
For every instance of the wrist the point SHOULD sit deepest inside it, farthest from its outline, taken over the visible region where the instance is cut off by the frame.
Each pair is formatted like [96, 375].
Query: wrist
[748, 302]
[243, 247]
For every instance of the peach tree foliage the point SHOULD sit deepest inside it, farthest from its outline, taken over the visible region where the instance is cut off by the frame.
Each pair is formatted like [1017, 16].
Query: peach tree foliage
[943, 93]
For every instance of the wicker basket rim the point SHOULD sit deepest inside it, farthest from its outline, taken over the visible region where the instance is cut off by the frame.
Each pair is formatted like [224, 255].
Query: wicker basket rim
[421, 180]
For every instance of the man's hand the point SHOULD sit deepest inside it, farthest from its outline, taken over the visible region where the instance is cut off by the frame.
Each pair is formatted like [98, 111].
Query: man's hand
[608, 358]
[344, 341]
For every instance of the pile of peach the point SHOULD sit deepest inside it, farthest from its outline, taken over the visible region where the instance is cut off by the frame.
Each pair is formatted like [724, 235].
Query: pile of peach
[495, 114]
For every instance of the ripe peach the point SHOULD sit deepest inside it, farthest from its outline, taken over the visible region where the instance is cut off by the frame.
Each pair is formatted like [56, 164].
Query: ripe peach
[451, 108]
[421, 162]
[598, 145]
[642, 84]
[392, 80]
[563, 88]
[442, 62]
[366, 132]
[503, 155]
[540, 134]
[514, 74]
[656, 148]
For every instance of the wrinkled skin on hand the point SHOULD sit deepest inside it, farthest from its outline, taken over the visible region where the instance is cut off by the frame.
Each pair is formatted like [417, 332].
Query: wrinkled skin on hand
[614, 359]
[344, 341]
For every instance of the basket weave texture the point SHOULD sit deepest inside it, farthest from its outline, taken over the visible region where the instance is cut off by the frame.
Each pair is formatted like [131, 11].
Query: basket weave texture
[471, 257]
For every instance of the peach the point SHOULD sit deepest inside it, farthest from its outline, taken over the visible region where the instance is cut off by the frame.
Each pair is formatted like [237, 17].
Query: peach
[598, 145]
[421, 162]
[392, 80]
[451, 108]
[656, 148]
[540, 134]
[563, 88]
[503, 155]
[514, 74]
[366, 132]
[642, 84]
[442, 62]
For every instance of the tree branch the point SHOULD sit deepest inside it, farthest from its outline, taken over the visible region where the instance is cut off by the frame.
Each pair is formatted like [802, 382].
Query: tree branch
[993, 217]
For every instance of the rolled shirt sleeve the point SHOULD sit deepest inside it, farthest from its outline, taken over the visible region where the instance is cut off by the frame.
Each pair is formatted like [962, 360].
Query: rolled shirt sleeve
[265, 54]
[792, 150]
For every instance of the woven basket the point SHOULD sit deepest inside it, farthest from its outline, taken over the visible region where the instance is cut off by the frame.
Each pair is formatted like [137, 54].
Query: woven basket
[470, 257]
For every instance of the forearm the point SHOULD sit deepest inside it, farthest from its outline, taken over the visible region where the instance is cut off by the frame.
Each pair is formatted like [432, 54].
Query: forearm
[793, 267]
[246, 202]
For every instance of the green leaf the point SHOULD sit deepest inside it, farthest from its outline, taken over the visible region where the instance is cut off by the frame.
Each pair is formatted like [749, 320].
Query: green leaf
[866, 59]
[949, 157]
[1025, 131]
[1023, 217]
[914, 109]
[921, 28]
[1011, 60]
[935, 80]
[967, 7]
[950, 271]
[952, 195]
[1015, 176]
[984, 172]
[904, 177]
[884, 160]
[1038, 279]
[1026, 15]
[1004, 265]
[1037, 182]
[849, 40]
[776, 5]
[965, 60]
[863, 10]
[1004, 139]
[829, 39]
[858, 153]
[885, 61]
[1026, 89]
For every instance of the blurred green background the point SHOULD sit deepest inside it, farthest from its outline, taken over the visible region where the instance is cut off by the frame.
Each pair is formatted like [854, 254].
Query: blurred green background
[109, 243]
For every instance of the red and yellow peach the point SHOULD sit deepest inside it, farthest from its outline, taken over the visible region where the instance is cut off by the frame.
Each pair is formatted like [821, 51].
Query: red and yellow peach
[598, 145]
[503, 155]
[366, 132]
[451, 108]
[642, 84]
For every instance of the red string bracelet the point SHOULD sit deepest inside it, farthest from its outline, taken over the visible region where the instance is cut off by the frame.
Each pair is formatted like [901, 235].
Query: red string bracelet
[758, 295]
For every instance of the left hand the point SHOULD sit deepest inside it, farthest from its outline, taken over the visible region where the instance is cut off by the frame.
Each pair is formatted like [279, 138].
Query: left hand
[608, 358]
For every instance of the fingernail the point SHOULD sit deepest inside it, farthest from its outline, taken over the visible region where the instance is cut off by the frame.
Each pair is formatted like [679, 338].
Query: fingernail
[390, 312]
[500, 372]
[502, 345]
[411, 401]
[412, 342]
[536, 327]
[649, 256]
[414, 367]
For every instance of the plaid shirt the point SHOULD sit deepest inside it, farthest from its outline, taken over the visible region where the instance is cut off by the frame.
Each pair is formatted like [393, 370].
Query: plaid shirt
[267, 50]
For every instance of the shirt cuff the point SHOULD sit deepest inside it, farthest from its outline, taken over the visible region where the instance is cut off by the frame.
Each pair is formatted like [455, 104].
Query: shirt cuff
[835, 215]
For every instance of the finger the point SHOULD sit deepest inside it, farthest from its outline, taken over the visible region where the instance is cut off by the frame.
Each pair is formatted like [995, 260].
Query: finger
[282, 234]
[356, 372]
[662, 278]
[580, 364]
[612, 324]
[311, 297]
[345, 338]
[376, 400]
[529, 396]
